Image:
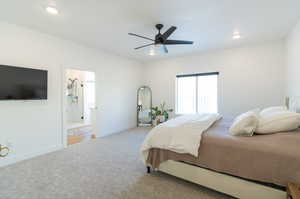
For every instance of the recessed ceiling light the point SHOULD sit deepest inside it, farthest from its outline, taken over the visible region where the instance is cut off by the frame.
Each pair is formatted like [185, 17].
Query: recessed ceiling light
[52, 10]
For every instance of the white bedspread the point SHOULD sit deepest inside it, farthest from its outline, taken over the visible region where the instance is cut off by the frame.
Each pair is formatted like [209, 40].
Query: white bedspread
[182, 134]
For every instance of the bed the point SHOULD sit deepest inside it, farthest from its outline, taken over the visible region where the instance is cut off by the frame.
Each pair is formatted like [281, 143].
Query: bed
[243, 167]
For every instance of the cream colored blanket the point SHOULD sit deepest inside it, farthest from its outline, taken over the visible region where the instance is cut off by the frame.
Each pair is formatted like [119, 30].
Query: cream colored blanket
[181, 135]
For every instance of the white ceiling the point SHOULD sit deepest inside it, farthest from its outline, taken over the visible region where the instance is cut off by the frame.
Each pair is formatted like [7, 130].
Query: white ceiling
[104, 24]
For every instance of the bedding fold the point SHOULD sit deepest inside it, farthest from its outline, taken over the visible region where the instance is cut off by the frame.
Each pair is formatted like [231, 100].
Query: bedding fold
[181, 135]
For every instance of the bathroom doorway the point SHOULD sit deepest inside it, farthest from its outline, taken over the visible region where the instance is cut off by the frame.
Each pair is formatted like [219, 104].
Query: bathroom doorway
[79, 106]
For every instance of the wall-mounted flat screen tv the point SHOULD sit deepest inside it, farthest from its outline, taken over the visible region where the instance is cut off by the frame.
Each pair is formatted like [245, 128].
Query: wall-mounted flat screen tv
[23, 83]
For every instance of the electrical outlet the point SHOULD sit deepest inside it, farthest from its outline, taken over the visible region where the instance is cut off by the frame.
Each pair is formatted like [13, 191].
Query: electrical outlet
[4, 151]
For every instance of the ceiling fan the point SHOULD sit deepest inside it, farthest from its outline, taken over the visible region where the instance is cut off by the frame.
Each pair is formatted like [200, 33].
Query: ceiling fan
[162, 39]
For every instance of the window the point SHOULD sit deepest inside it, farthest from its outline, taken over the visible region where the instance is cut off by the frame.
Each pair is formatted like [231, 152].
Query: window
[197, 93]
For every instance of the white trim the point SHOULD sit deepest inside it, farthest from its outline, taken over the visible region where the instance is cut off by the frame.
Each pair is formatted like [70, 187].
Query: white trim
[63, 108]
[116, 132]
[197, 97]
[218, 92]
[176, 95]
[64, 100]
[14, 159]
[230, 185]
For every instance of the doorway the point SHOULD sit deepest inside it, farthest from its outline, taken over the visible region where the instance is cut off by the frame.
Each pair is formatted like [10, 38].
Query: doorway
[79, 106]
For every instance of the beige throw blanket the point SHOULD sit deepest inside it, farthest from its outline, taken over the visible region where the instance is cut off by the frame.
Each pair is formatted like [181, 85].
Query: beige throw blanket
[181, 135]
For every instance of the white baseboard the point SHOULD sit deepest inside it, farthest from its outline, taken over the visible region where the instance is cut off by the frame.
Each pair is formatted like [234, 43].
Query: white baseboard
[15, 158]
[115, 132]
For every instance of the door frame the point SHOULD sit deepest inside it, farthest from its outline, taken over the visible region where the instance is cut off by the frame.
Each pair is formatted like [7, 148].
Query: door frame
[64, 99]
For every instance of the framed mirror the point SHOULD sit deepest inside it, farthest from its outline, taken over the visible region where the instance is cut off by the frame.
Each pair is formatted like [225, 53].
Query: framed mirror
[144, 105]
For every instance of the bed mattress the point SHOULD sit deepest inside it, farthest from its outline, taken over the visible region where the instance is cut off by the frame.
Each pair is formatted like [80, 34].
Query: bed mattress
[271, 158]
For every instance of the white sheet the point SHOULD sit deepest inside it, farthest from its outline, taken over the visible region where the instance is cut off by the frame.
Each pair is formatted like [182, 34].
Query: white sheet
[182, 134]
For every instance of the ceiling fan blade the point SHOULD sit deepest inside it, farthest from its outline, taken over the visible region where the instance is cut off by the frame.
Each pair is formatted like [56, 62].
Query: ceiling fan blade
[132, 34]
[167, 34]
[143, 46]
[165, 49]
[177, 42]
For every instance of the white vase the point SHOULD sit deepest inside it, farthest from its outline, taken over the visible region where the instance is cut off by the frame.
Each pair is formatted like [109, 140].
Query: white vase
[154, 122]
[161, 118]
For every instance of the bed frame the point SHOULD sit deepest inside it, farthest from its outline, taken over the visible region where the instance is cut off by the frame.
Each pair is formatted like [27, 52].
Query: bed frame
[230, 185]
[223, 183]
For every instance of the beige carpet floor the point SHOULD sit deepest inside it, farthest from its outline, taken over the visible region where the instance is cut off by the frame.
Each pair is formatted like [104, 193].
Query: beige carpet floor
[108, 168]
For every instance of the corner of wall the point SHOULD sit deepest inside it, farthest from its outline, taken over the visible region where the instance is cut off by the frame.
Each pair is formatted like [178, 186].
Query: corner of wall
[292, 61]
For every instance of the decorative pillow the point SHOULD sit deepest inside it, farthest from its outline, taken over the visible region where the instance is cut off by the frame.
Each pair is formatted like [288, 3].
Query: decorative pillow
[245, 124]
[273, 109]
[279, 121]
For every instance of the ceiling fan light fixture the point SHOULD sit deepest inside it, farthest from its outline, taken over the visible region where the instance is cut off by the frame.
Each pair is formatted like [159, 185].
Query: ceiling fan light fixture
[236, 35]
[52, 10]
[156, 49]
[152, 52]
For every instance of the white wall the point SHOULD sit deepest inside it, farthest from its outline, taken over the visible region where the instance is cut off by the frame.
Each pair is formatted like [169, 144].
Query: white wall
[293, 61]
[35, 127]
[250, 77]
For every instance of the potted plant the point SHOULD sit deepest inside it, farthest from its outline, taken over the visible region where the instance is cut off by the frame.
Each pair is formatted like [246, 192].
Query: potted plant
[160, 114]
[155, 113]
[165, 112]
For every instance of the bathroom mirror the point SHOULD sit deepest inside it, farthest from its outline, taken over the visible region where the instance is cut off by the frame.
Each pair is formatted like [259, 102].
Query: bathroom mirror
[144, 104]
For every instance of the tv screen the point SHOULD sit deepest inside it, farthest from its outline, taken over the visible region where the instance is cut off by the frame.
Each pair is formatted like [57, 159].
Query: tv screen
[22, 83]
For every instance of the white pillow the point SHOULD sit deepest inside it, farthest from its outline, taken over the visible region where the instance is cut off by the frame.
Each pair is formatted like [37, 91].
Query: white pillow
[279, 121]
[245, 124]
[273, 109]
